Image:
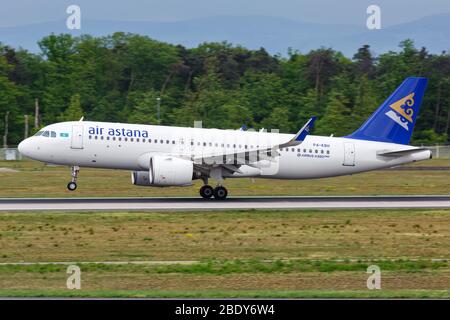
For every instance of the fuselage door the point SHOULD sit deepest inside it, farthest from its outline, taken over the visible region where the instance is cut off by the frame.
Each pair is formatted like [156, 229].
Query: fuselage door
[349, 154]
[77, 137]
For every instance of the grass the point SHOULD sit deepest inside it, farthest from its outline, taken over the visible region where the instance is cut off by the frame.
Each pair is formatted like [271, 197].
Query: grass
[321, 253]
[247, 234]
[437, 294]
[35, 179]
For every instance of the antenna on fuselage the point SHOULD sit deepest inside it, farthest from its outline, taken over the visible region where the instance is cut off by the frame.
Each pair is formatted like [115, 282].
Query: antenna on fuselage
[81, 119]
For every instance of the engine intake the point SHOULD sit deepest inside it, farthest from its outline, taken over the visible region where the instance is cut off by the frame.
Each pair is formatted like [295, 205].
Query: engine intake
[165, 171]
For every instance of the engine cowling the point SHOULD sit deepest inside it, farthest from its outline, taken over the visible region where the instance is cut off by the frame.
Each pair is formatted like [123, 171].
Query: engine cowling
[165, 171]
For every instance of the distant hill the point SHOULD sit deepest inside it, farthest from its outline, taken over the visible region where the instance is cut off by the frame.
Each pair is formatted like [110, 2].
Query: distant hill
[274, 34]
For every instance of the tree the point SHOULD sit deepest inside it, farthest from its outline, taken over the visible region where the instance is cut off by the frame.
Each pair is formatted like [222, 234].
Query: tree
[145, 109]
[364, 62]
[278, 119]
[337, 120]
[74, 111]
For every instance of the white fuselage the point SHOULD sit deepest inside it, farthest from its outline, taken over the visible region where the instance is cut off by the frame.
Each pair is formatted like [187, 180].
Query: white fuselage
[127, 146]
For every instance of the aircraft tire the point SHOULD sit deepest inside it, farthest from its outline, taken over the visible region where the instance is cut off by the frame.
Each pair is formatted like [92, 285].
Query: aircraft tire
[220, 193]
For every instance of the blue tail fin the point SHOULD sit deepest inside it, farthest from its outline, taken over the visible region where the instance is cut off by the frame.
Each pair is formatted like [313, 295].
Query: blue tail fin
[394, 120]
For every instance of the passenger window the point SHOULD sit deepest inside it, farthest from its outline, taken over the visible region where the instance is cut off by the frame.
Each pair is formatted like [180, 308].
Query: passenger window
[137, 139]
[101, 137]
[125, 139]
[173, 141]
[167, 141]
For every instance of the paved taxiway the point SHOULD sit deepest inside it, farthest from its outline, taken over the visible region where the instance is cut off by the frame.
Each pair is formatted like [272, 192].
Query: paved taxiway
[177, 204]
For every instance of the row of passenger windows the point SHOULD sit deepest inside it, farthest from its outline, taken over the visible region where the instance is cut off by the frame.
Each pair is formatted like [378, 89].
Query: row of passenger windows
[51, 134]
[130, 139]
[161, 141]
[307, 150]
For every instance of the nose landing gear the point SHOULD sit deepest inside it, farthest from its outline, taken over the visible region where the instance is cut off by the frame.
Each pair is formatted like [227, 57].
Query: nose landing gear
[72, 185]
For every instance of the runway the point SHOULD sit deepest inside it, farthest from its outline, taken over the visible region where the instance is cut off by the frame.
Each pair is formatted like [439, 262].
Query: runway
[198, 204]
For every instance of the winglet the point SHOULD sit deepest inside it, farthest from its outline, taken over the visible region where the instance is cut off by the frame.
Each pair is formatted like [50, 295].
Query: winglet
[301, 134]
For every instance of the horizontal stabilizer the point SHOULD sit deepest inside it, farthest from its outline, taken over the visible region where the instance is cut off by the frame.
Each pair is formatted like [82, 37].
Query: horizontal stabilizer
[399, 153]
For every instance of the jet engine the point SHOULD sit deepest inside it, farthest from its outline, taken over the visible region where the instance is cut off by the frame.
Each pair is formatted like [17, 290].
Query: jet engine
[165, 171]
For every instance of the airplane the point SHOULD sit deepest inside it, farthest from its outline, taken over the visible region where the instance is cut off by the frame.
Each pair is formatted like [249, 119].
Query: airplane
[163, 156]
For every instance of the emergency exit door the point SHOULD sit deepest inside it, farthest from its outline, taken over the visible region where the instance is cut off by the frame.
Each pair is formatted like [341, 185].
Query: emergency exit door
[349, 154]
[77, 137]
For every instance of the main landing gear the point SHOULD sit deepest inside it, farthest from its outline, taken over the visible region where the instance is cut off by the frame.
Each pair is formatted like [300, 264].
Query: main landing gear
[219, 192]
[72, 185]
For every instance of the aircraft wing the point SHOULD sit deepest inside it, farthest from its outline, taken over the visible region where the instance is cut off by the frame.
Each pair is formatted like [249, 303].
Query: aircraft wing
[248, 157]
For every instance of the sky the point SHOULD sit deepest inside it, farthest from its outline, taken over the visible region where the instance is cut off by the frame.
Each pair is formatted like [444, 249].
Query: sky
[24, 12]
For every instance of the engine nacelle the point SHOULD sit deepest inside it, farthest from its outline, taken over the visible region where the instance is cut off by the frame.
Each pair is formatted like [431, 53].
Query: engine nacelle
[165, 171]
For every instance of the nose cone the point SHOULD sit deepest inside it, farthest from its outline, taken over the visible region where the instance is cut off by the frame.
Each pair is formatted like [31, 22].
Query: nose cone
[24, 147]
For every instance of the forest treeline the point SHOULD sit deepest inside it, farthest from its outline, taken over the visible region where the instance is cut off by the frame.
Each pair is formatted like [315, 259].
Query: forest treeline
[119, 78]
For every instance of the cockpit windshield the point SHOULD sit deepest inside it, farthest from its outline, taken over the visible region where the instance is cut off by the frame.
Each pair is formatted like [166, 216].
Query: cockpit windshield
[45, 134]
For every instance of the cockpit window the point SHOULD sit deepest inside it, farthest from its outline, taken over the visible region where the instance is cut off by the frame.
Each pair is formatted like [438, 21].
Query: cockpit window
[46, 134]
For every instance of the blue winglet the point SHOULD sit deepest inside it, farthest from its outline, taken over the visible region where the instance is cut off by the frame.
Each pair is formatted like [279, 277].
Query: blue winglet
[305, 130]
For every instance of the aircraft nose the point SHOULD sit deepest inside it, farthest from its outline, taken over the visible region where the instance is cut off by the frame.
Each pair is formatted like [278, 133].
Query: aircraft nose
[24, 147]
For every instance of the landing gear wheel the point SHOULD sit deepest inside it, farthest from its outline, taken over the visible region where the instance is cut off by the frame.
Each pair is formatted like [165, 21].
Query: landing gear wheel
[220, 193]
[206, 192]
[71, 186]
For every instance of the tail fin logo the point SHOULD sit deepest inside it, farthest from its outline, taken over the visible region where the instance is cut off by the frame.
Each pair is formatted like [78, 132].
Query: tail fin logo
[403, 111]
